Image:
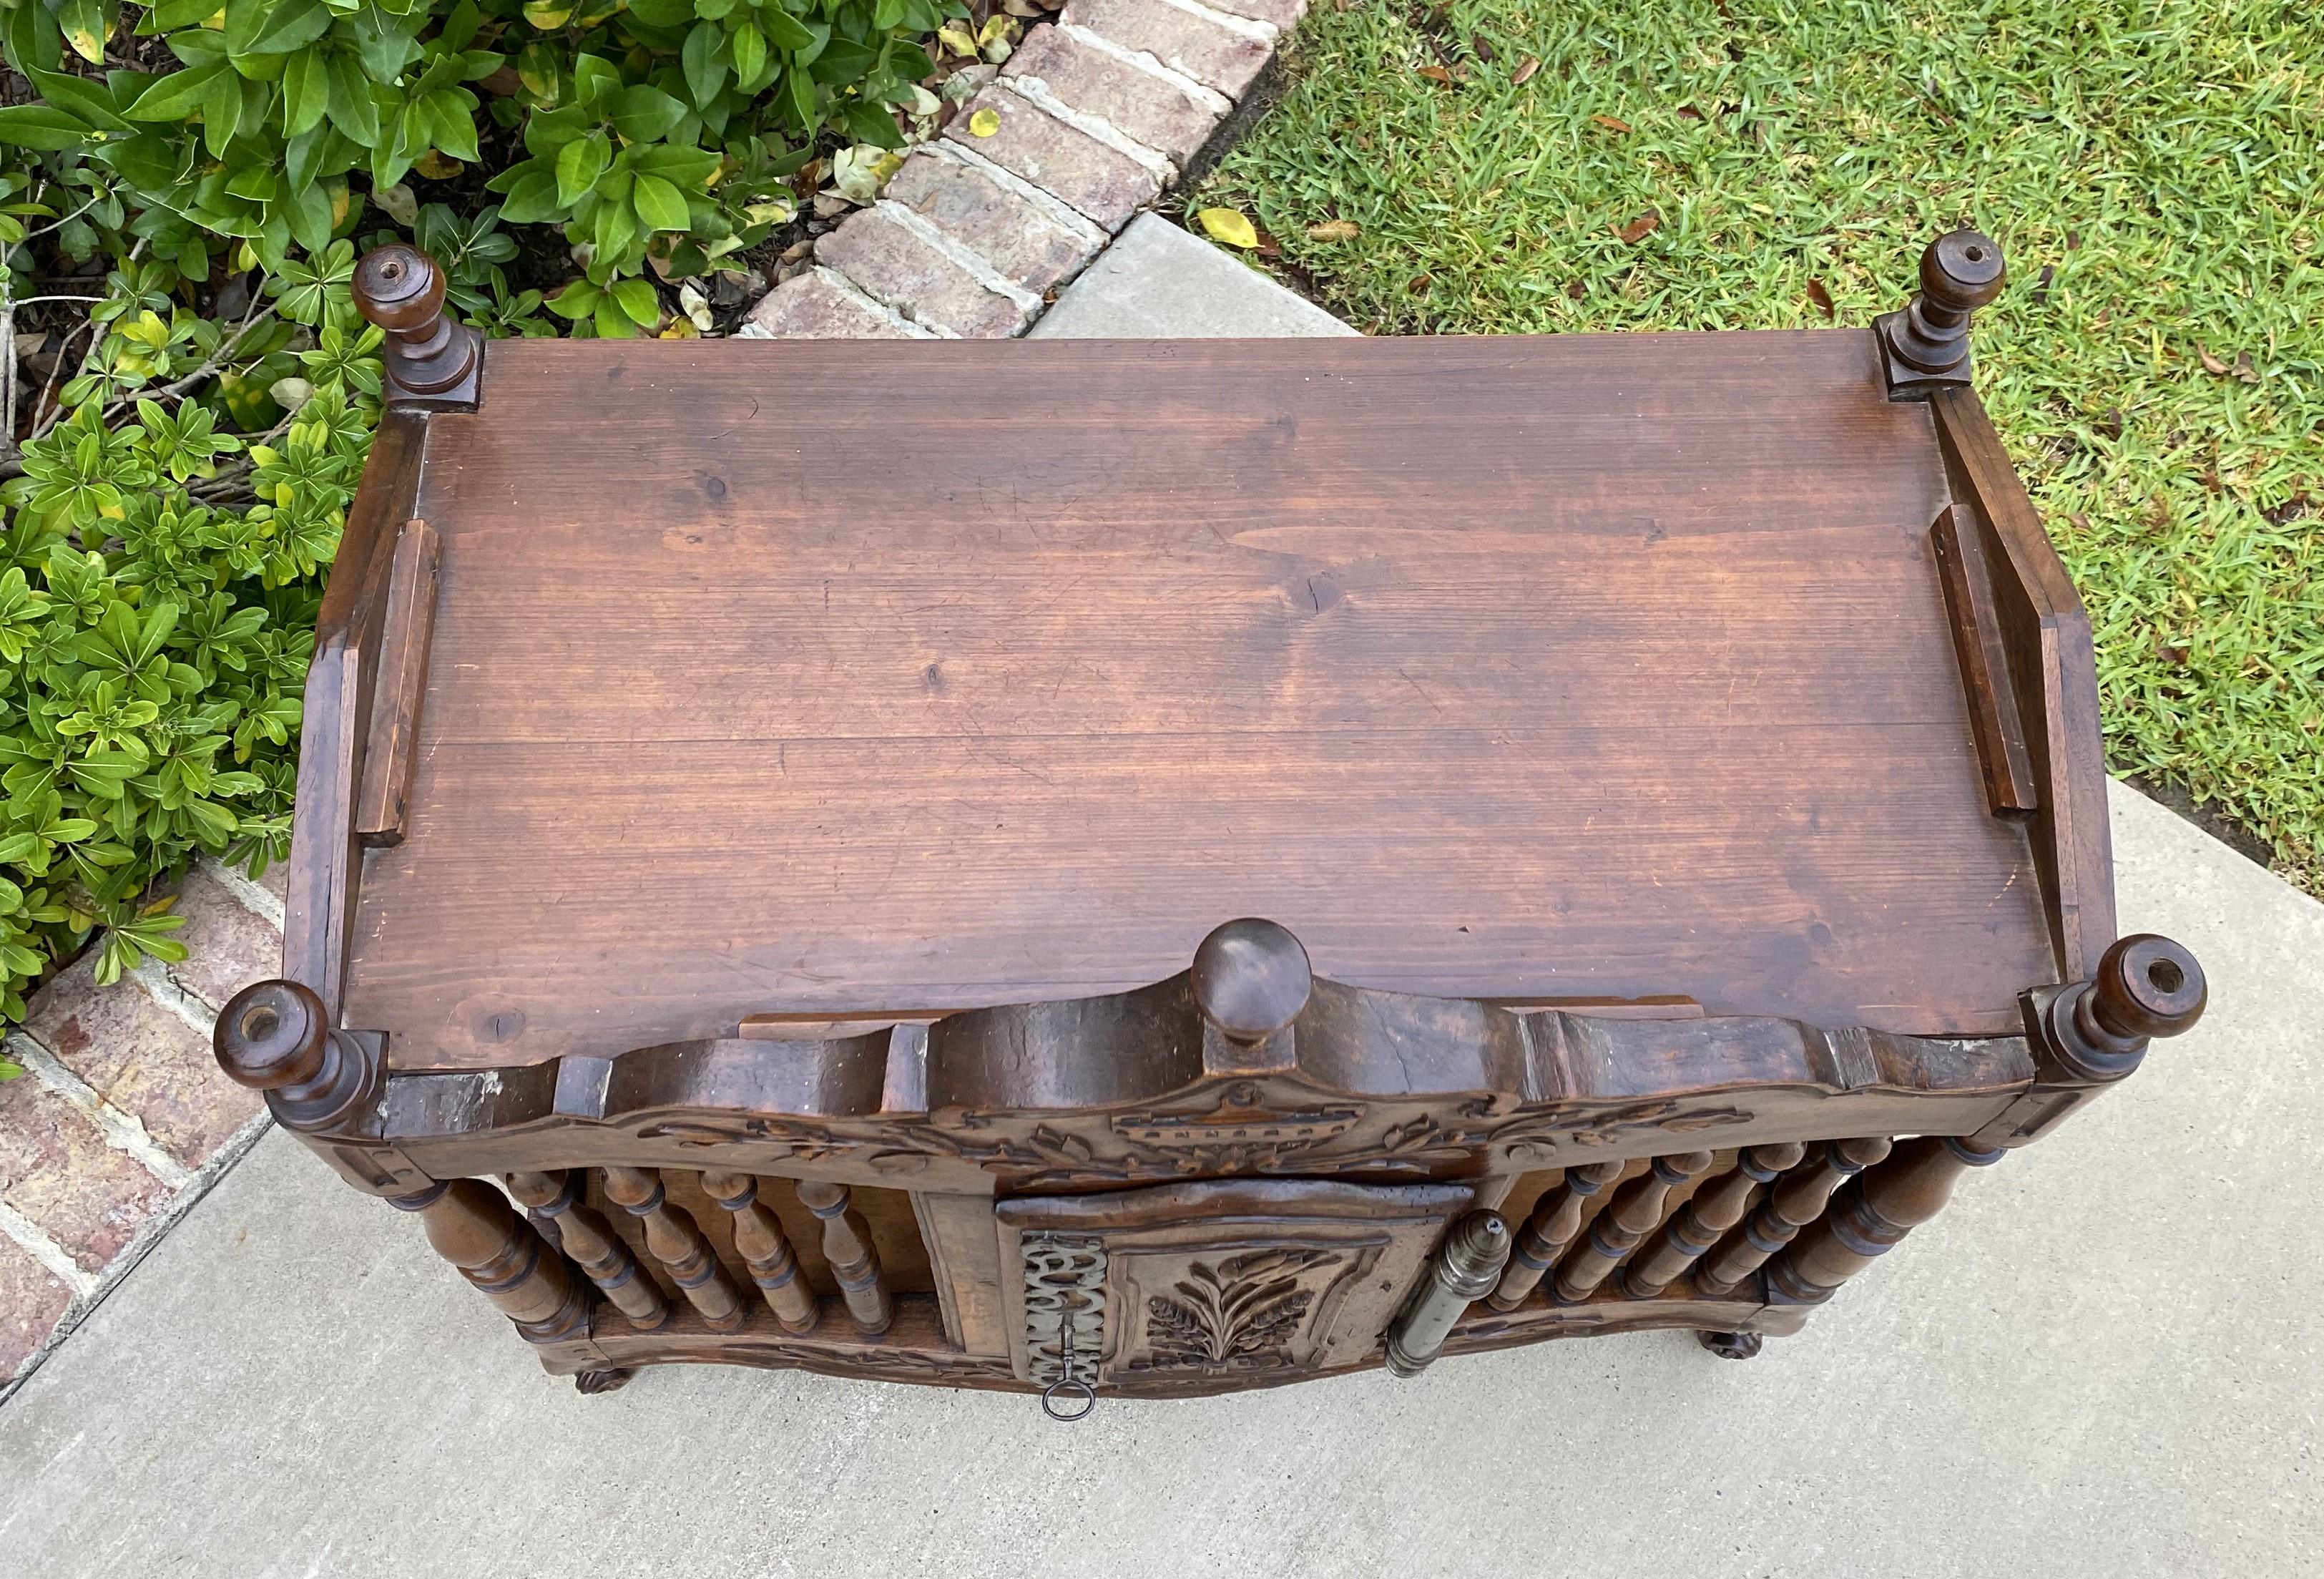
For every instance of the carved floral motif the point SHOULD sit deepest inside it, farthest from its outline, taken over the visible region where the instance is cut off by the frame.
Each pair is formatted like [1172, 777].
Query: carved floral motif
[1238, 1315]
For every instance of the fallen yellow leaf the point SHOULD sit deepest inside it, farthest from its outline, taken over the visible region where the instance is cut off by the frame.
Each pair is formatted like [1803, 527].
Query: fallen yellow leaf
[984, 122]
[1335, 230]
[1226, 225]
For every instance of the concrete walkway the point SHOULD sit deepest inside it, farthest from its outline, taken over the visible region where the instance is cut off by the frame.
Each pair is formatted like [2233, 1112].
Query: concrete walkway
[2104, 1360]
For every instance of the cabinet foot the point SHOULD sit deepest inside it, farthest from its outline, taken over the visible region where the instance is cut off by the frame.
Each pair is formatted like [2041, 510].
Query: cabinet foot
[1731, 1345]
[597, 1381]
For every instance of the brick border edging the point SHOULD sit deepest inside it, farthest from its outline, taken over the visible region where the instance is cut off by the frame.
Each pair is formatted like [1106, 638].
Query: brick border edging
[121, 1122]
[1100, 113]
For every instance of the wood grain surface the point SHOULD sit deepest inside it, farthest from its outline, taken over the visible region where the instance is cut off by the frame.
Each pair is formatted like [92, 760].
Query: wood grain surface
[817, 678]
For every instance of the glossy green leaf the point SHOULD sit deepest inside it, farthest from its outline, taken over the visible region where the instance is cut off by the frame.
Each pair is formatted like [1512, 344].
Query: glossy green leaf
[705, 68]
[42, 127]
[659, 205]
[644, 114]
[580, 163]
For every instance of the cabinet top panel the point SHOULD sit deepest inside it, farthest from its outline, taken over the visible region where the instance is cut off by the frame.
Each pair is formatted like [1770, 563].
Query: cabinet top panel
[805, 678]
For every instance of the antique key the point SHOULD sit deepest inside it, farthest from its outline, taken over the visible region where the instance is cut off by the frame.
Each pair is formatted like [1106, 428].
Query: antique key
[1067, 1386]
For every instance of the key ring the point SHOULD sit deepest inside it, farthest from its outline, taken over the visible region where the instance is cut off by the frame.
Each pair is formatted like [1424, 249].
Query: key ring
[1067, 1386]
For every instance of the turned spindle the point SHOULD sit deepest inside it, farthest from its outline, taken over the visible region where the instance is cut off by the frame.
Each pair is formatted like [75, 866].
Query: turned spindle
[2146, 986]
[275, 1038]
[1924, 345]
[1556, 1218]
[1636, 1211]
[473, 1227]
[1794, 1203]
[590, 1240]
[431, 360]
[1698, 1225]
[673, 1240]
[1871, 1215]
[1250, 980]
[759, 1241]
[847, 1246]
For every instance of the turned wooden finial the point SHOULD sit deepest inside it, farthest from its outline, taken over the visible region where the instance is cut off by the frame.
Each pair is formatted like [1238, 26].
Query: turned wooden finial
[274, 1037]
[2146, 986]
[431, 360]
[1251, 979]
[1925, 347]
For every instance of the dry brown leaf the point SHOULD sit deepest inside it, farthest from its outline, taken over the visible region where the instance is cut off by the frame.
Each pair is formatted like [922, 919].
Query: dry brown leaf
[1822, 299]
[1419, 283]
[2244, 368]
[1643, 227]
[1576, 291]
[2211, 365]
[1335, 230]
[1687, 112]
[1525, 68]
[1437, 74]
[1612, 122]
[1483, 51]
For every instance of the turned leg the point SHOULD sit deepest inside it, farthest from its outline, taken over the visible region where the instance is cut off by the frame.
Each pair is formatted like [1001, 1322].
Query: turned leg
[1872, 1214]
[471, 1226]
[674, 1240]
[1731, 1345]
[847, 1246]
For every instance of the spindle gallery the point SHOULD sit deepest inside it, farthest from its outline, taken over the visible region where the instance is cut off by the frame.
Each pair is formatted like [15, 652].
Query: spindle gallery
[785, 915]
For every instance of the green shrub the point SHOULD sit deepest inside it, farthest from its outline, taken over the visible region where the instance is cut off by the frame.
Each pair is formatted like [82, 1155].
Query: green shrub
[153, 641]
[185, 471]
[667, 128]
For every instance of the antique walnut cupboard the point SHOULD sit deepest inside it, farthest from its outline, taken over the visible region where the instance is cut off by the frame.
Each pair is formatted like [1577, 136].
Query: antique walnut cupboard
[782, 811]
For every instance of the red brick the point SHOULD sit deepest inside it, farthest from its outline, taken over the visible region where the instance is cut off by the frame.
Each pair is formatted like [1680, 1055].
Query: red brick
[1016, 236]
[809, 307]
[1213, 55]
[56, 1171]
[144, 1058]
[1104, 183]
[232, 945]
[1142, 104]
[32, 1299]
[884, 258]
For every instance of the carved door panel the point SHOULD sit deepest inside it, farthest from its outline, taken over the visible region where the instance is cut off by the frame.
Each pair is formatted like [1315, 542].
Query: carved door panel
[1201, 1288]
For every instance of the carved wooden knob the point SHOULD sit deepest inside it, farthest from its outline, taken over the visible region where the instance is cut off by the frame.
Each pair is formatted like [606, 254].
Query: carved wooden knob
[1924, 345]
[1251, 979]
[1962, 272]
[275, 1037]
[270, 1035]
[399, 288]
[430, 359]
[2146, 986]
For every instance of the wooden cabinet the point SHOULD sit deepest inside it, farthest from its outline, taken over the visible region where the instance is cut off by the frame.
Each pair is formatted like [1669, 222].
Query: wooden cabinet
[798, 815]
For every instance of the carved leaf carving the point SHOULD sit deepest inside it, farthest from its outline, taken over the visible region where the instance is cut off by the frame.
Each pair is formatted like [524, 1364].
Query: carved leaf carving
[1240, 1314]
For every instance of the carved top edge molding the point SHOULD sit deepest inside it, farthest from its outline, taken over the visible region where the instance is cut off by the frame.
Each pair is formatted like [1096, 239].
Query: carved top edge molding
[1199, 1075]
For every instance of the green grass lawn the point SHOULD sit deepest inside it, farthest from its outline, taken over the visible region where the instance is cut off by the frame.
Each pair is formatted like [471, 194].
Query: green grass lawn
[2153, 169]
